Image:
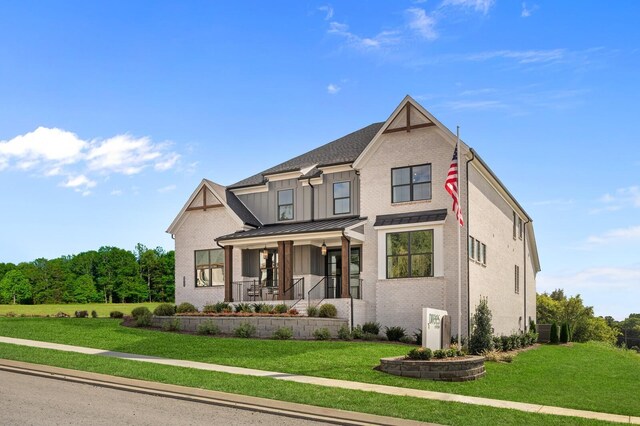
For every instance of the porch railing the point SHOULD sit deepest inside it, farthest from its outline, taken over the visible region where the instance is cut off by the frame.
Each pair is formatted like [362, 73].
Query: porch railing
[330, 287]
[256, 291]
[295, 291]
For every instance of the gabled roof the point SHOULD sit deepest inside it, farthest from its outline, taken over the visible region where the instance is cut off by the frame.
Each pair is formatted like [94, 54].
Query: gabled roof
[340, 151]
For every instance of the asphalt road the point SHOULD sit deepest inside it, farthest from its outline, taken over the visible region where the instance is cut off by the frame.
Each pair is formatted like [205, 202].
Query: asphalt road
[29, 400]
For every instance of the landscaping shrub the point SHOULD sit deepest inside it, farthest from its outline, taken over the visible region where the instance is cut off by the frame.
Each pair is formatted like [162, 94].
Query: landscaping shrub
[244, 307]
[439, 354]
[245, 330]
[140, 310]
[293, 311]
[261, 308]
[532, 326]
[496, 356]
[417, 336]
[81, 314]
[496, 343]
[371, 327]
[164, 310]
[505, 343]
[369, 336]
[281, 309]
[344, 333]
[215, 308]
[322, 334]
[394, 333]
[144, 320]
[283, 333]
[407, 339]
[312, 311]
[514, 340]
[328, 311]
[564, 333]
[459, 349]
[357, 332]
[420, 354]
[94, 314]
[451, 352]
[172, 325]
[208, 327]
[186, 308]
[480, 339]
[116, 314]
[553, 338]
[60, 315]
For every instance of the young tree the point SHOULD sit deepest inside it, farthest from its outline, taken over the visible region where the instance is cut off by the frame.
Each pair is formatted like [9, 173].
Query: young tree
[480, 339]
[15, 288]
[553, 338]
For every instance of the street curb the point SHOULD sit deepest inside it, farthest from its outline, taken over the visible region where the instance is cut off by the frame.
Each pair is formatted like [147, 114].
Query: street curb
[289, 409]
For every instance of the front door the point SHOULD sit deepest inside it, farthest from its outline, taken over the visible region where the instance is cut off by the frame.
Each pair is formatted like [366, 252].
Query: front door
[334, 270]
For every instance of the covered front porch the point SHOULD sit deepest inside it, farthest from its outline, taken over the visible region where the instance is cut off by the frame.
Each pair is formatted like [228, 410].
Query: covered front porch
[288, 263]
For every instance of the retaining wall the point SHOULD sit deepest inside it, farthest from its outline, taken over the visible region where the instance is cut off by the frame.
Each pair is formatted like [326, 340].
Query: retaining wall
[303, 327]
[457, 370]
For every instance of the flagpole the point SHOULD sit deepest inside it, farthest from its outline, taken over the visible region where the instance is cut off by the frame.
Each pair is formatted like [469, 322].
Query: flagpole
[459, 232]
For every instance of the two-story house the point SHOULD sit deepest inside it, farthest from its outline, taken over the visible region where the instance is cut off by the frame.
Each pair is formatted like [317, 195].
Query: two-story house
[364, 222]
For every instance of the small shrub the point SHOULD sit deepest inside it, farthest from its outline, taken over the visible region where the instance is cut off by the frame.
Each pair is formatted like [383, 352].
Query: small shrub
[417, 335]
[439, 354]
[244, 307]
[369, 336]
[328, 311]
[357, 332]
[371, 327]
[532, 326]
[81, 314]
[10, 315]
[164, 310]
[451, 352]
[144, 320]
[459, 349]
[420, 354]
[312, 311]
[260, 308]
[514, 340]
[505, 343]
[281, 309]
[186, 308]
[480, 339]
[564, 333]
[215, 308]
[553, 338]
[61, 315]
[172, 325]
[394, 333]
[408, 340]
[245, 330]
[116, 314]
[94, 314]
[283, 333]
[140, 310]
[496, 343]
[266, 309]
[293, 311]
[344, 333]
[322, 334]
[208, 327]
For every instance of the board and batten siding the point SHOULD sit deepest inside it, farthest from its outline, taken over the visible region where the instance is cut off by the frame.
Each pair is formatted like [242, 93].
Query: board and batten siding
[264, 205]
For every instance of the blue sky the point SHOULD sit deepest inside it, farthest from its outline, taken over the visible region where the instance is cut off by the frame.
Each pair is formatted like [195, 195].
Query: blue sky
[112, 112]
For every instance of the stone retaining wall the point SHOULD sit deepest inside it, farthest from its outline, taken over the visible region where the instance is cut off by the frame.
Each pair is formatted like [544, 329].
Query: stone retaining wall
[303, 327]
[455, 370]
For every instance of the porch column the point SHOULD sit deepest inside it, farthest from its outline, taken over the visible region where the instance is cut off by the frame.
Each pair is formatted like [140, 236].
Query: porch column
[281, 269]
[228, 274]
[288, 268]
[346, 267]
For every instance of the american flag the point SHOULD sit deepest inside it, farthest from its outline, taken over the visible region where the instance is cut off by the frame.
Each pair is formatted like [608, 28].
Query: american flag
[451, 185]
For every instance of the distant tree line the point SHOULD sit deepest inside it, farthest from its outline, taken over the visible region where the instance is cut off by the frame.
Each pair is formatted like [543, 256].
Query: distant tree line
[629, 330]
[109, 275]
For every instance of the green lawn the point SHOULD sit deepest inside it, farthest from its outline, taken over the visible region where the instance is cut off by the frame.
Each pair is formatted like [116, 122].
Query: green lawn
[583, 376]
[367, 402]
[103, 309]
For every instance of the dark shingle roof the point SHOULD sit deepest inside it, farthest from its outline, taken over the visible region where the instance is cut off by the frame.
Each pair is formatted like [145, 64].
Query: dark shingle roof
[413, 217]
[241, 210]
[343, 150]
[324, 225]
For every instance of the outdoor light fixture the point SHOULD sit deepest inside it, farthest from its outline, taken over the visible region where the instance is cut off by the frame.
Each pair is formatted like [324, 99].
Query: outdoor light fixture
[323, 249]
[265, 253]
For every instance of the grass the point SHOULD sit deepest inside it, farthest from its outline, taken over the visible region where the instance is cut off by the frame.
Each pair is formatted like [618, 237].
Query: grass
[102, 309]
[583, 376]
[367, 402]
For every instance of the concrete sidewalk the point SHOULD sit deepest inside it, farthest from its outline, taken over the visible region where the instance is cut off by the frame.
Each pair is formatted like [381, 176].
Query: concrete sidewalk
[343, 384]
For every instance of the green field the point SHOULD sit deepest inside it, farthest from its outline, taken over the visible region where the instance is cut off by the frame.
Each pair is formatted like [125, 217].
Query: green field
[102, 309]
[582, 376]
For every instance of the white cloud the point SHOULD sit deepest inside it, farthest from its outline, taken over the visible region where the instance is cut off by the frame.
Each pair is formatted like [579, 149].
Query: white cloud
[526, 12]
[474, 105]
[382, 39]
[592, 278]
[622, 197]
[116, 192]
[482, 6]
[332, 89]
[328, 10]
[422, 23]
[167, 188]
[521, 56]
[618, 235]
[56, 152]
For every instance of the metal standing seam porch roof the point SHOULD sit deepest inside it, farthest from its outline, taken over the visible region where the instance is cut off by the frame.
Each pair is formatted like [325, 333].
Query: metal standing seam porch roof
[413, 217]
[324, 225]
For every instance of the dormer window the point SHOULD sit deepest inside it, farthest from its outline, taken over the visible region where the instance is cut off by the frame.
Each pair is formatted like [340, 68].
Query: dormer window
[411, 183]
[285, 204]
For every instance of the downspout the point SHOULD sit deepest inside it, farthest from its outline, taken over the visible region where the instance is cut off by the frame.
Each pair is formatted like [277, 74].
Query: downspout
[349, 276]
[473, 156]
[313, 196]
[524, 281]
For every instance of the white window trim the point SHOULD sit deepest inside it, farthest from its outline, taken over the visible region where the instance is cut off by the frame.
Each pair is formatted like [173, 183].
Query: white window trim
[438, 247]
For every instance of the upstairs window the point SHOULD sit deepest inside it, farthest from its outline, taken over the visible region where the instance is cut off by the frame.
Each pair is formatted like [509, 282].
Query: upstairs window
[410, 254]
[517, 279]
[411, 183]
[477, 251]
[285, 204]
[515, 222]
[209, 267]
[472, 248]
[520, 228]
[342, 197]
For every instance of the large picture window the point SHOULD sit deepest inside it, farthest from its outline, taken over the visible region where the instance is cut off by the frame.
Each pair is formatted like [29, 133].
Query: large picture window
[285, 204]
[209, 267]
[411, 183]
[341, 197]
[410, 254]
